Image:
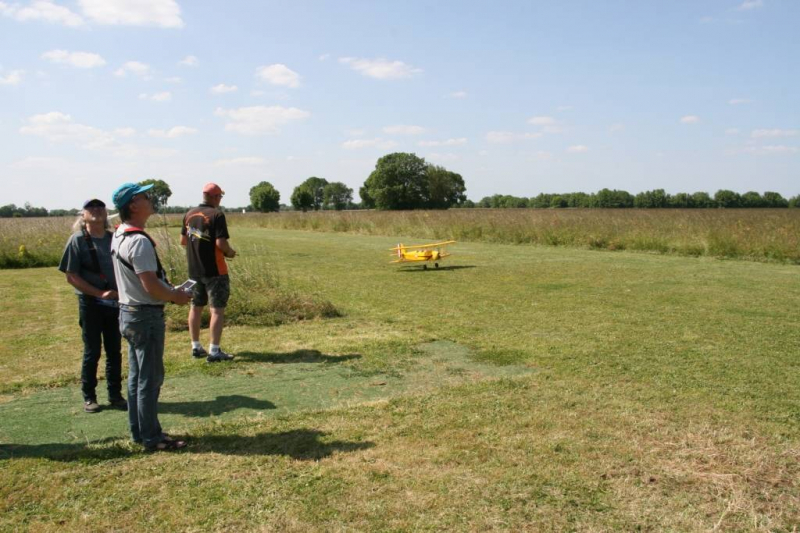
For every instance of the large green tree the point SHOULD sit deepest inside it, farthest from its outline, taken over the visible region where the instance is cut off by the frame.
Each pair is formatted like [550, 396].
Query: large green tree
[264, 197]
[160, 192]
[303, 198]
[445, 188]
[337, 195]
[399, 181]
[317, 187]
[726, 198]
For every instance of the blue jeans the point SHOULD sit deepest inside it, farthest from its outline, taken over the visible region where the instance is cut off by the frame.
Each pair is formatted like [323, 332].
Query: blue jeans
[144, 329]
[99, 327]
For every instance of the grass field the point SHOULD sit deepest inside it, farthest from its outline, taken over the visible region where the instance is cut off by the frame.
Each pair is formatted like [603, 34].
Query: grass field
[766, 235]
[519, 388]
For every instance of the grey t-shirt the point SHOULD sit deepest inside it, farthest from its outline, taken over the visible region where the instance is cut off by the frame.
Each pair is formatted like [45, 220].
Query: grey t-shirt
[77, 259]
[136, 250]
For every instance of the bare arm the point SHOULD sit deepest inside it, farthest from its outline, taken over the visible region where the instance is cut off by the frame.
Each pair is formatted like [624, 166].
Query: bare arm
[184, 240]
[82, 285]
[160, 291]
[227, 251]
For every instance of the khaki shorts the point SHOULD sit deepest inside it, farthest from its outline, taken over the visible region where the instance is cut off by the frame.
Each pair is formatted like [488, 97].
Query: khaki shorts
[216, 289]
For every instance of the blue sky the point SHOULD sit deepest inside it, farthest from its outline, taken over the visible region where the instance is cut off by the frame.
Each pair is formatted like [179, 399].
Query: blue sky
[518, 97]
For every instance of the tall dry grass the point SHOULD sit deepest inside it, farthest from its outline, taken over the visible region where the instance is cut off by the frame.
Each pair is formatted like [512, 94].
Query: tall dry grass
[33, 242]
[259, 295]
[753, 234]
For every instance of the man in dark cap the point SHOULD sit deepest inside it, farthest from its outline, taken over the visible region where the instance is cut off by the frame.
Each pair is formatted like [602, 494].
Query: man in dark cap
[143, 291]
[87, 264]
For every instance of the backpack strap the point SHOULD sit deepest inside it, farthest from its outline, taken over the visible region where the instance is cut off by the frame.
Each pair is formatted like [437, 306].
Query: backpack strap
[93, 253]
[162, 274]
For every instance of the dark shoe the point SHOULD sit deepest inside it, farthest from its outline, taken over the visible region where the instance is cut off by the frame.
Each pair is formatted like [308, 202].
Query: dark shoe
[118, 403]
[219, 356]
[91, 406]
[197, 353]
[167, 445]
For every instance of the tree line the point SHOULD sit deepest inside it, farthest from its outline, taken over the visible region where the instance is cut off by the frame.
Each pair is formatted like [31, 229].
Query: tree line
[657, 198]
[406, 181]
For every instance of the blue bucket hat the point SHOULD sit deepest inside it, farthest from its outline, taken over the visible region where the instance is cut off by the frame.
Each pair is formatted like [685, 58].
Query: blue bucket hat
[125, 193]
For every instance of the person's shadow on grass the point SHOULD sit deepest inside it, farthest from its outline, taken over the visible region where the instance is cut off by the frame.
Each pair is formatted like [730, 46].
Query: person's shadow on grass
[222, 404]
[302, 444]
[297, 356]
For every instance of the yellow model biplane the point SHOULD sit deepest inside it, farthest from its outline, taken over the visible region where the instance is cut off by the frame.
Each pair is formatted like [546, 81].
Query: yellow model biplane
[421, 252]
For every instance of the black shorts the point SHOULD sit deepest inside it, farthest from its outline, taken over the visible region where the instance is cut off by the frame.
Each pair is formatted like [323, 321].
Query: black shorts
[217, 289]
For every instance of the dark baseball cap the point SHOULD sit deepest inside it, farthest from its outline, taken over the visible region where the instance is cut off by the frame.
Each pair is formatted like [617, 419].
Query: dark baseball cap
[95, 201]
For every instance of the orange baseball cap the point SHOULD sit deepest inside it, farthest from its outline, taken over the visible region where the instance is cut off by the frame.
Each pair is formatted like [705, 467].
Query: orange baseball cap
[212, 188]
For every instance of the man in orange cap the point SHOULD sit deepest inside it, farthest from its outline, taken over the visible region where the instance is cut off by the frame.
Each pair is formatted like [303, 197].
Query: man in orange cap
[205, 235]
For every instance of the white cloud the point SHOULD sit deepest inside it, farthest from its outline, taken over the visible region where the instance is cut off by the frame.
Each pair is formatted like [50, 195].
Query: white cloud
[458, 94]
[506, 137]
[401, 129]
[690, 119]
[40, 163]
[732, 131]
[756, 134]
[772, 150]
[500, 137]
[380, 68]
[279, 74]
[542, 121]
[12, 78]
[257, 92]
[41, 10]
[173, 79]
[59, 127]
[357, 144]
[222, 89]
[74, 59]
[240, 161]
[172, 133]
[747, 5]
[189, 61]
[739, 101]
[577, 149]
[124, 132]
[260, 119]
[134, 67]
[324, 57]
[444, 157]
[165, 96]
[448, 142]
[614, 128]
[161, 13]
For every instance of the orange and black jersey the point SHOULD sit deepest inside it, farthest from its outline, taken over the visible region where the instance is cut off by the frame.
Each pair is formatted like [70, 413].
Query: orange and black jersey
[202, 226]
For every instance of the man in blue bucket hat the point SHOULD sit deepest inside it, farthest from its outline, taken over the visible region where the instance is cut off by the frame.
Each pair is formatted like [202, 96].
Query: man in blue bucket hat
[143, 292]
